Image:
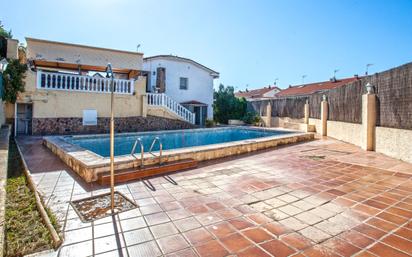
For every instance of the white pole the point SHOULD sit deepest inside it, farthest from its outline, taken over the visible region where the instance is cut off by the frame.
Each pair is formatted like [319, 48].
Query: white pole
[110, 71]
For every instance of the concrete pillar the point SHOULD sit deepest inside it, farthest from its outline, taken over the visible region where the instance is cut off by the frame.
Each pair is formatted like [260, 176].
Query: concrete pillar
[144, 105]
[368, 119]
[268, 122]
[324, 116]
[306, 110]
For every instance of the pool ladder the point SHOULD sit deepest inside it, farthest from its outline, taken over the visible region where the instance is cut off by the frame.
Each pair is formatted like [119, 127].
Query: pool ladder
[139, 141]
[157, 139]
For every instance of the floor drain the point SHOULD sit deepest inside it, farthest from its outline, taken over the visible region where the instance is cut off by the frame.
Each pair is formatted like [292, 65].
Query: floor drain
[99, 206]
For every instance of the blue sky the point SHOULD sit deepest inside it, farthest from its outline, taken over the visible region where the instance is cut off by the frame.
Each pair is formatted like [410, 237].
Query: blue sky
[249, 42]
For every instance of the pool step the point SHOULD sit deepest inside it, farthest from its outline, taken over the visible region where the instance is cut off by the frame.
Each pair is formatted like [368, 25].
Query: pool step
[147, 171]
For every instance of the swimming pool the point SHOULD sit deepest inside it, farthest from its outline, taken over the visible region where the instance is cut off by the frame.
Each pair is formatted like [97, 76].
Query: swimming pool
[88, 155]
[99, 144]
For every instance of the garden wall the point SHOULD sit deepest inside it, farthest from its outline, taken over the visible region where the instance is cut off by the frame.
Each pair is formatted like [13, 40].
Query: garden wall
[393, 129]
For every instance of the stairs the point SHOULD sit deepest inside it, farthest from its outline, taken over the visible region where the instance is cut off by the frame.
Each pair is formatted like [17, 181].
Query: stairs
[147, 171]
[166, 102]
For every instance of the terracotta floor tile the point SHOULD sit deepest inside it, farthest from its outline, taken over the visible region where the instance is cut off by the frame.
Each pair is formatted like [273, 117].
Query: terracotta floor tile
[341, 247]
[257, 235]
[399, 243]
[356, 238]
[241, 223]
[366, 209]
[221, 230]
[381, 224]
[378, 205]
[277, 248]
[212, 249]
[369, 231]
[276, 228]
[392, 218]
[227, 213]
[172, 244]
[253, 252]
[400, 212]
[235, 242]
[198, 209]
[319, 251]
[383, 250]
[198, 236]
[215, 206]
[404, 232]
[296, 240]
[315, 234]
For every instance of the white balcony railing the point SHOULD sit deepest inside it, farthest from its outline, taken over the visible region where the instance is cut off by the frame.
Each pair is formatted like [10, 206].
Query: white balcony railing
[71, 82]
[165, 101]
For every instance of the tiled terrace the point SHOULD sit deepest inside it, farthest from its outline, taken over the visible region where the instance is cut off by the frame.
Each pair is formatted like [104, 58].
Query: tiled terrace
[321, 198]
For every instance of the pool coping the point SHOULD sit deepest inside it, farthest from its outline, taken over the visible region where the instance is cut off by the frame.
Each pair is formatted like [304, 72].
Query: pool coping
[88, 164]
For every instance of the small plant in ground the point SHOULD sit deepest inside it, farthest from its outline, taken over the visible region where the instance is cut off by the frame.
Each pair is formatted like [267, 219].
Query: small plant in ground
[25, 231]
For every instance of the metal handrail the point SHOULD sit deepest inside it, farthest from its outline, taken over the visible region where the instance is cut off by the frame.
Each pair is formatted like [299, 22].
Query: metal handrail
[160, 148]
[139, 140]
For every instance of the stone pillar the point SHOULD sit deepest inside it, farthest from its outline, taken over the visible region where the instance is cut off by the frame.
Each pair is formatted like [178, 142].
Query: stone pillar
[144, 105]
[306, 110]
[268, 115]
[368, 119]
[324, 116]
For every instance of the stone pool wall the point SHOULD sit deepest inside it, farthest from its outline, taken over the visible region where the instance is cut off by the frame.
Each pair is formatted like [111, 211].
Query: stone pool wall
[65, 126]
[88, 164]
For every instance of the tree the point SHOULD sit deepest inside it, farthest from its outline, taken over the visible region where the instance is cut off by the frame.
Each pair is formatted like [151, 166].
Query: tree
[4, 32]
[226, 106]
[13, 78]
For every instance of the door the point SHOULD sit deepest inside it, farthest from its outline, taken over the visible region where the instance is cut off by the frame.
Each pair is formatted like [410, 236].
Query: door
[198, 115]
[24, 114]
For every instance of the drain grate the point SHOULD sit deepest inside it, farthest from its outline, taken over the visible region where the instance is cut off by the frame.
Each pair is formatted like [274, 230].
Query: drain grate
[98, 207]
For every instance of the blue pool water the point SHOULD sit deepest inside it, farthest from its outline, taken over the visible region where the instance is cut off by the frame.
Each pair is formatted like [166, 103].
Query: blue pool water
[170, 139]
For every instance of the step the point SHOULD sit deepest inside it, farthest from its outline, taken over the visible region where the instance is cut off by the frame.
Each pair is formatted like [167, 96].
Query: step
[147, 171]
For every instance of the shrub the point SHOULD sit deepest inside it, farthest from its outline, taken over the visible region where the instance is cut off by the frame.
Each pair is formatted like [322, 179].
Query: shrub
[226, 106]
[210, 123]
[251, 118]
[13, 78]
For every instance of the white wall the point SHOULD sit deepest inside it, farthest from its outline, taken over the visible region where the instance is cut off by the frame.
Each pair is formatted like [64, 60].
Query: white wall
[200, 86]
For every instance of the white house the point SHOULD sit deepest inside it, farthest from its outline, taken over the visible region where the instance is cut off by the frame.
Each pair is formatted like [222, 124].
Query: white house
[185, 81]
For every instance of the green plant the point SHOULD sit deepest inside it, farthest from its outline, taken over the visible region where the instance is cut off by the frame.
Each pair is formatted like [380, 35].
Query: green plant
[13, 78]
[4, 32]
[251, 118]
[226, 106]
[210, 123]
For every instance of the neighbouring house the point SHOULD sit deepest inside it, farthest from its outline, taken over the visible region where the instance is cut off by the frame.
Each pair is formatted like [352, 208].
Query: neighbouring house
[316, 87]
[256, 94]
[183, 80]
[67, 92]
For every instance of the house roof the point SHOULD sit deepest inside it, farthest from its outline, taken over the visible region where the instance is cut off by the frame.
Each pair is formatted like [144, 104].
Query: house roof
[213, 73]
[46, 51]
[256, 93]
[314, 87]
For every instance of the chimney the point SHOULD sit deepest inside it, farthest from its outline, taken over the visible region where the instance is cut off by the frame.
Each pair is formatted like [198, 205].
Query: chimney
[356, 76]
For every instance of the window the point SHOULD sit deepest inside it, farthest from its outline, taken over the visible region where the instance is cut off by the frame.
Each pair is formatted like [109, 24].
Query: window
[184, 83]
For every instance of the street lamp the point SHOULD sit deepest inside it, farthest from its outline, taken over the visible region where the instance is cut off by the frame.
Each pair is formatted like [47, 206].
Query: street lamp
[109, 74]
